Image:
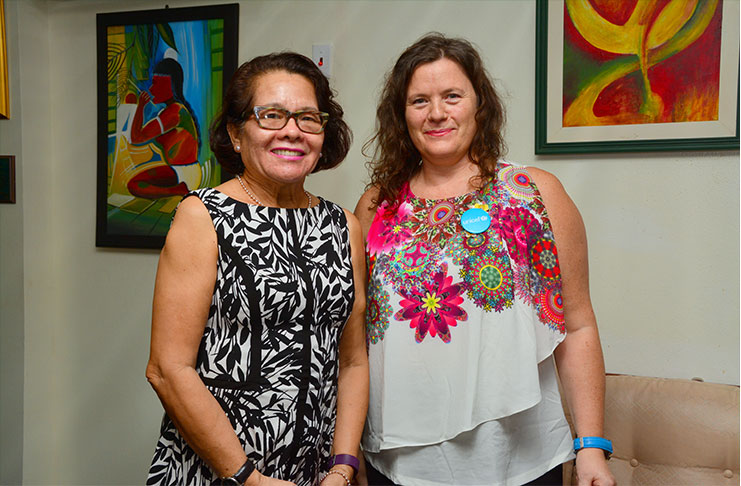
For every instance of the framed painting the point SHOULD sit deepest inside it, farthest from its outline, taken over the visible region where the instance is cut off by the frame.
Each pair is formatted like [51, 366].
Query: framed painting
[636, 75]
[7, 179]
[161, 79]
[4, 91]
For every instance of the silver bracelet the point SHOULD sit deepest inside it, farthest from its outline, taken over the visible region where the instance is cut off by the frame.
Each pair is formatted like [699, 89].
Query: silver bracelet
[337, 471]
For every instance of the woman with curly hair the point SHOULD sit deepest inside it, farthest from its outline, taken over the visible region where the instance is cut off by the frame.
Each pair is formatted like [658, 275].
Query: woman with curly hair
[478, 289]
[258, 352]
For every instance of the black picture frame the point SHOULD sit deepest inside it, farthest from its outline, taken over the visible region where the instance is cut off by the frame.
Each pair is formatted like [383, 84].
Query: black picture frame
[7, 179]
[551, 137]
[139, 184]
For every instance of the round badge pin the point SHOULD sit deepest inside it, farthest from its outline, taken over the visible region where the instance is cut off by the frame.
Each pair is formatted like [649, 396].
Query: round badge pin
[475, 220]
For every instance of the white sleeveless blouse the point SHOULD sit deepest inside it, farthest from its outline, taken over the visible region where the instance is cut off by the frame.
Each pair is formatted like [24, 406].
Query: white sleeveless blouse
[461, 328]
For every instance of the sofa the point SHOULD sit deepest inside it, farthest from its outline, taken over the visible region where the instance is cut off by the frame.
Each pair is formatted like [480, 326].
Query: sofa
[670, 432]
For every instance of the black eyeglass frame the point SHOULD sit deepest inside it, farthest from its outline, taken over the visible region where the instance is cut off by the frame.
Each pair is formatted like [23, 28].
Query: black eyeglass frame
[290, 114]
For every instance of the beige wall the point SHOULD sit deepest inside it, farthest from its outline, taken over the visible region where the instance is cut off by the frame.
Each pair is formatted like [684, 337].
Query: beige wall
[663, 228]
[11, 283]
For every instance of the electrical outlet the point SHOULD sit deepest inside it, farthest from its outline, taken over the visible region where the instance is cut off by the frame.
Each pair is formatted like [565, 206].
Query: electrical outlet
[322, 56]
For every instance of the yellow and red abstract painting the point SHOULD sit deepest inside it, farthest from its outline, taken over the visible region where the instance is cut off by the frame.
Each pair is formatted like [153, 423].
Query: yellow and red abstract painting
[641, 61]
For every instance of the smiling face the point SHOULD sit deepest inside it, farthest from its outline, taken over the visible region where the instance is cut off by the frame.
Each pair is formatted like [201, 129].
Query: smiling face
[441, 112]
[285, 156]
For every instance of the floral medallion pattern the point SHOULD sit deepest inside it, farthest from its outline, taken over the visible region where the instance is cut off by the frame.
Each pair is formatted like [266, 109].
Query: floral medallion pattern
[550, 308]
[417, 250]
[517, 182]
[488, 280]
[377, 311]
[545, 258]
[434, 307]
[436, 222]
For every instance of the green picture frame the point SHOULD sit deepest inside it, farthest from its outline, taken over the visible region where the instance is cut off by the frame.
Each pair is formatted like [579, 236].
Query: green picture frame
[553, 90]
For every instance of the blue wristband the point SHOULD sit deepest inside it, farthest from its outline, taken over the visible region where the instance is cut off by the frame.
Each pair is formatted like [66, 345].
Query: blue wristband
[593, 443]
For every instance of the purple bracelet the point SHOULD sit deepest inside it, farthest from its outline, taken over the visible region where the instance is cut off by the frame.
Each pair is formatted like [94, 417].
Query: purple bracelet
[345, 459]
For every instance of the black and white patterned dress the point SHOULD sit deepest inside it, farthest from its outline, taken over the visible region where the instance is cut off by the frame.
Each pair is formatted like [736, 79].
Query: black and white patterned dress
[269, 353]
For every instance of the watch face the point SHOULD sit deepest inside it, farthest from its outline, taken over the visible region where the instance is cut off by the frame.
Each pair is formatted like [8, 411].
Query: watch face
[230, 482]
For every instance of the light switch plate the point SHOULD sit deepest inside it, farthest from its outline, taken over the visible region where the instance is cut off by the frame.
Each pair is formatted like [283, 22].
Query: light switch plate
[322, 56]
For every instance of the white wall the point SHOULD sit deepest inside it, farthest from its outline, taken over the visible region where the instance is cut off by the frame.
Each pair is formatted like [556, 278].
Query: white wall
[663, 228]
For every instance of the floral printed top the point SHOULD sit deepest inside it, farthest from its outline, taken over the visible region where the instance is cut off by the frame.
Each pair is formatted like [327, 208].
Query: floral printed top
[457, 321]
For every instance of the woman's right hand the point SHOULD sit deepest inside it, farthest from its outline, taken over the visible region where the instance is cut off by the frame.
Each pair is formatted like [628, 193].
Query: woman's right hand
[259, 479]
[144, 98]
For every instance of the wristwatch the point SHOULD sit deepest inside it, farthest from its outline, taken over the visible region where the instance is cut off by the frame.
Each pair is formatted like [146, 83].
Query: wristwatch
[345, 459]
[240, 476]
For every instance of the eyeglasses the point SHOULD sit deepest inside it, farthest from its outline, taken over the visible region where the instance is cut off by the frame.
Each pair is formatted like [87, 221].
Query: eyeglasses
[271, 118]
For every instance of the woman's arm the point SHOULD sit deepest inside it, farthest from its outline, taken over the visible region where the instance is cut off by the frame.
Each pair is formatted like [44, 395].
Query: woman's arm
[579, 357]
[184, 285]
[166, 120]
[365, 210]
[352, 383]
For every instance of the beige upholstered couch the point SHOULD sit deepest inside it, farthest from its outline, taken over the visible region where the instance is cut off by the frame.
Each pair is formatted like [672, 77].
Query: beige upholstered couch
[671, 432]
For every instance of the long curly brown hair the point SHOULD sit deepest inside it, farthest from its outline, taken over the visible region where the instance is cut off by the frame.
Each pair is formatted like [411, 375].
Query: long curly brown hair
[393, 157]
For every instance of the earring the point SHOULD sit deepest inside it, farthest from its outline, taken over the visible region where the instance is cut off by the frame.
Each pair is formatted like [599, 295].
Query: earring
[237, 148]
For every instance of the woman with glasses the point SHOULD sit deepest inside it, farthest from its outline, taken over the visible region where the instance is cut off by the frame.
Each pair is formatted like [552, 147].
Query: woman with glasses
[258, 349]
[470, 304]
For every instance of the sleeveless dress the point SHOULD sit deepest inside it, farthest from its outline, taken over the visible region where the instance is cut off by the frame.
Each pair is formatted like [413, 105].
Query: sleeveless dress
[461, 326]
[269, 353]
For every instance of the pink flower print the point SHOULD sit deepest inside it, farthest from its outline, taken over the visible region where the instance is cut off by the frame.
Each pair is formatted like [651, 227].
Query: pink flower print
[389, 228]
[405, 193]
[433, 306]
[517, 226]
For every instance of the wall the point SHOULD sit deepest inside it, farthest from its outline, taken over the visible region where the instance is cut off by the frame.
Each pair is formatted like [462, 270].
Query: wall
[11, 280]
[663, 228]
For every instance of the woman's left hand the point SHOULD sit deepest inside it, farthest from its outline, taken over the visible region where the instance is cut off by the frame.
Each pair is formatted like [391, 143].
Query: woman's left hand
[591, 468]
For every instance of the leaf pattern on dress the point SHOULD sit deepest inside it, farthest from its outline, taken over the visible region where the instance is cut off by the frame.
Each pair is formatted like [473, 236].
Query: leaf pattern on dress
[269, 353]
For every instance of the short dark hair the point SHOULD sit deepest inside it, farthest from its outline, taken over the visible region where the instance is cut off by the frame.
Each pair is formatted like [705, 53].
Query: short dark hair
[394, 158]
[238, 104]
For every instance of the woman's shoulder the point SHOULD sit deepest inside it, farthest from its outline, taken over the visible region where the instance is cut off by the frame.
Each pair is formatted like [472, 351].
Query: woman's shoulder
[366, 207]
[191, 222]
[367, 200]
[542, 178]
[558, 204]
[208, 196]
[548, 185]
[544, 181]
